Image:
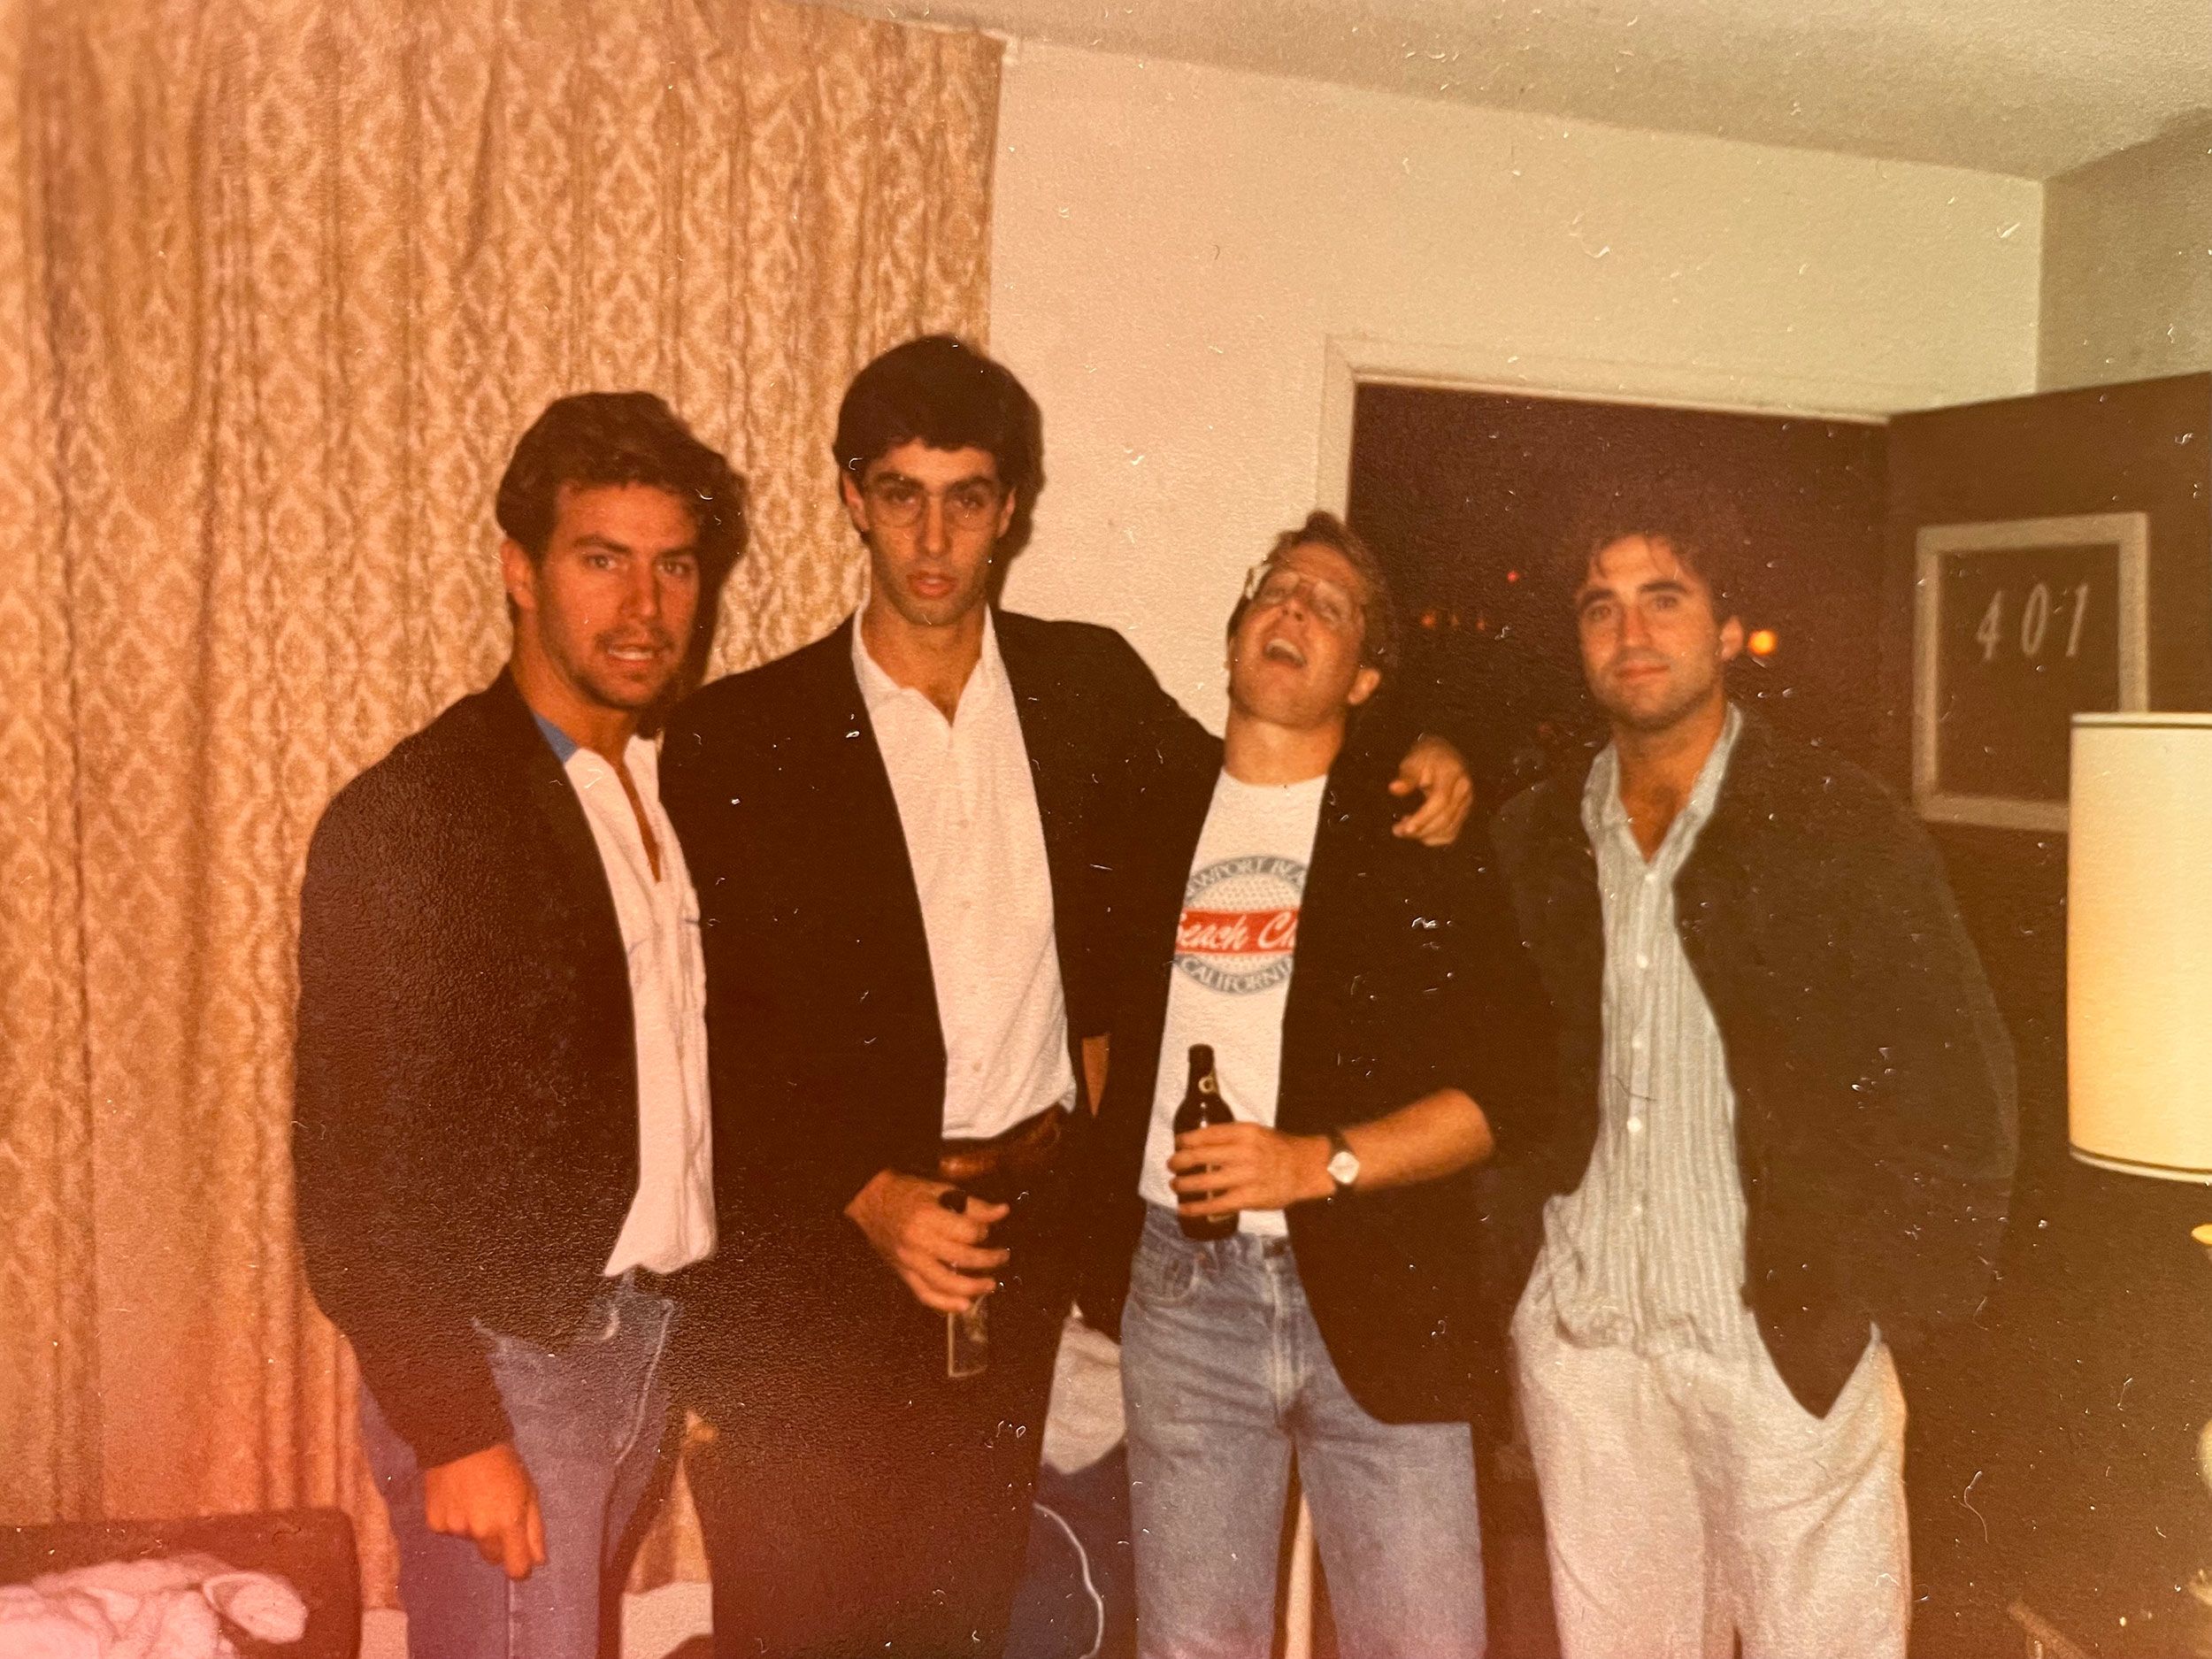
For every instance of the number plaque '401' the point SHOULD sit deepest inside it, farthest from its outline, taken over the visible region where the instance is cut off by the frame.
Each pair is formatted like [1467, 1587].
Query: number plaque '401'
[2036, 612]
[2020, 625]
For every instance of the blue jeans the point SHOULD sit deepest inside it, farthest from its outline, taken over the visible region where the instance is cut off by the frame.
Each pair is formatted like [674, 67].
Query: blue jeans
[1225, 1376]
[588, 1418]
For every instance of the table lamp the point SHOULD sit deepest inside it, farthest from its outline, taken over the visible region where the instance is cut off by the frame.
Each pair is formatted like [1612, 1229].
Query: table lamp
[2138, 945]
[2138, 964]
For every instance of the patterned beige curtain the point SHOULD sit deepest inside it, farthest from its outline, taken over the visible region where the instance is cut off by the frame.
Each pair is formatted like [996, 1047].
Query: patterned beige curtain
[280, 283]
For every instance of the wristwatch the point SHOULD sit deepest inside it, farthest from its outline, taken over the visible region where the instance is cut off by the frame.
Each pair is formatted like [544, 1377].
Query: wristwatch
[1343, 1164]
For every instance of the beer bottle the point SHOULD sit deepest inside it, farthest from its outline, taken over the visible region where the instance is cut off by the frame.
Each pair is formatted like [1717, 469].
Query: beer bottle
[1202, 1105]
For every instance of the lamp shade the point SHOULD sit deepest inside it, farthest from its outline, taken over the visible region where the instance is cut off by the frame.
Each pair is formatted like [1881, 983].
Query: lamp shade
[2139, 944]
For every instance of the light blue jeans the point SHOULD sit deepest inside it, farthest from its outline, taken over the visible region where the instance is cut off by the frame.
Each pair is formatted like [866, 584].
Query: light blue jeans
[1226, 1377]
[588, 1417]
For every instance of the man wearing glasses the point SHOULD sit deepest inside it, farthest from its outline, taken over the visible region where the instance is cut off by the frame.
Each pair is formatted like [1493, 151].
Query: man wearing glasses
[1376, 1029]
[907, 840]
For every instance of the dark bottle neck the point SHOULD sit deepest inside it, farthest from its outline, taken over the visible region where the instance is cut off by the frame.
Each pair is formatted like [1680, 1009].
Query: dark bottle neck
[1202, 1070]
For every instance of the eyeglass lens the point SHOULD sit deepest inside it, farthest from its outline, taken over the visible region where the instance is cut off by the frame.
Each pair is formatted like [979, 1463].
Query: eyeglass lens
[968, 506]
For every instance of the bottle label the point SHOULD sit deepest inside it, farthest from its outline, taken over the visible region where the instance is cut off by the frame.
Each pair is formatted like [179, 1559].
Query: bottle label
[968, 1341]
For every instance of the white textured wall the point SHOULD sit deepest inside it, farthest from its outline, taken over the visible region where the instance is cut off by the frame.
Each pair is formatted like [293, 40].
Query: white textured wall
[2127, 264]
[1173, 246]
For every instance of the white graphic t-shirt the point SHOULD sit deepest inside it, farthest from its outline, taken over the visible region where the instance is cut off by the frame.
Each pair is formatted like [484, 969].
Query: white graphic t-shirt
[1232, 961]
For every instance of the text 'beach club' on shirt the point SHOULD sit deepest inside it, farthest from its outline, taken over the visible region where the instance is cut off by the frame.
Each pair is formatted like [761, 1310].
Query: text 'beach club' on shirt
[1233, 949]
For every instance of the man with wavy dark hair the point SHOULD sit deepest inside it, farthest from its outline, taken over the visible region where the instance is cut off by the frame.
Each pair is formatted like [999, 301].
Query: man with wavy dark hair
[1789, 1132]
[503, 1137]
[907, 838]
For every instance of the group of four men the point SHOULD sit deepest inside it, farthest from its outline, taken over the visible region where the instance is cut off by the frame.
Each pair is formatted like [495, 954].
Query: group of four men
[819, 1058]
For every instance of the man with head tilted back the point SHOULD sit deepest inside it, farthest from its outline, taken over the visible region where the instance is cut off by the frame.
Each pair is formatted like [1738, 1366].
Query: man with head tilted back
[503, 1144]
[1300, 1285]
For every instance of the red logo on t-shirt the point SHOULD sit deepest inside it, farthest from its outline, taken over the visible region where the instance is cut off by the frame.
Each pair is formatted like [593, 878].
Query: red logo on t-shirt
[1240, 923]
[1238, 933]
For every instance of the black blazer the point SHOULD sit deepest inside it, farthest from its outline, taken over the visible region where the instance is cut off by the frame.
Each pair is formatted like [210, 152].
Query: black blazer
[1876, 1124]
[1409, 977]
[827, 1054]
[466, 1130]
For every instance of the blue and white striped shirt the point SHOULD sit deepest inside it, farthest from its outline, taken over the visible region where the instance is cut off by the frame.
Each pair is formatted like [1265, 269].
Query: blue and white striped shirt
[1648, 1253]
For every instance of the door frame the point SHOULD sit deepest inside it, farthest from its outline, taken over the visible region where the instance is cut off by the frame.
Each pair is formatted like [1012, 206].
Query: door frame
[1348, 361]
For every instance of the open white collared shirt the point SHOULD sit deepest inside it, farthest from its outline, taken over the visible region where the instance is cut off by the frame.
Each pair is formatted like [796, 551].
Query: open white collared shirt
[671, 1220]
[968, 808]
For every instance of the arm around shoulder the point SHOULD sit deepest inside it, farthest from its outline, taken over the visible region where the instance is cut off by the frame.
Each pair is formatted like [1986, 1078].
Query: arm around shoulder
[1155, 726]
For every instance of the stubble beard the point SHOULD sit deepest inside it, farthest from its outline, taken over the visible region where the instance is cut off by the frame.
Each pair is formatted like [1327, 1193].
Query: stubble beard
[935, 613]
[1299, 706]
[953, 608]
[625, 695]
[1678, 703]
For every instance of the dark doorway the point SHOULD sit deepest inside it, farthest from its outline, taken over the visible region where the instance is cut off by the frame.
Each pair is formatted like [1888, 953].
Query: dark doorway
[1464, 494]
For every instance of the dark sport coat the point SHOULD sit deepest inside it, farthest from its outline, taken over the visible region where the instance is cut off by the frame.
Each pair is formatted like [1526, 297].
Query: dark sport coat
[1876, 1120]
[465, 1127]
[1407, 977]
[827, 1054]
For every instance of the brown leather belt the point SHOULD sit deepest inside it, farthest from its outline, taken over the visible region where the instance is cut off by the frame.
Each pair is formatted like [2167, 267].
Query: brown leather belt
[1009, 1163]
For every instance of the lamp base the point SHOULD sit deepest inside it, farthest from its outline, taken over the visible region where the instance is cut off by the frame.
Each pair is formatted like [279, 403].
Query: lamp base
[2129, 1166]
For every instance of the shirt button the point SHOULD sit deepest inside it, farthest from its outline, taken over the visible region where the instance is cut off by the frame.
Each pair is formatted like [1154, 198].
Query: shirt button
[1637, 1044]
[1635, 1125]
[1643, 961]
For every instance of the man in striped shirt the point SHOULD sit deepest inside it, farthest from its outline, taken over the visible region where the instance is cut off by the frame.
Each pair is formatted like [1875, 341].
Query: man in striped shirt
[1791, 1138]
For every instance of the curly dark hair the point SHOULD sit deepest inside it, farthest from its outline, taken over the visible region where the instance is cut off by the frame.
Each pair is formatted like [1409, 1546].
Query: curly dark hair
[1688, 513]
[592, 439]
[944, 393]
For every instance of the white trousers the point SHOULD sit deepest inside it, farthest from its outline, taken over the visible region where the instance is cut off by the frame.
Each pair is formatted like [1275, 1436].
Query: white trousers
[1689, 1500]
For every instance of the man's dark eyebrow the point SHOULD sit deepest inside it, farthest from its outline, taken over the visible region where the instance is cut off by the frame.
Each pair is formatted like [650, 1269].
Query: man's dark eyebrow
[593, 539]
[1596, 591]
[916, 483]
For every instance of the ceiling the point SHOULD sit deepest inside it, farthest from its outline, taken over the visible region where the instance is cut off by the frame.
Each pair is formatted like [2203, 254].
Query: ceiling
[2031, 88]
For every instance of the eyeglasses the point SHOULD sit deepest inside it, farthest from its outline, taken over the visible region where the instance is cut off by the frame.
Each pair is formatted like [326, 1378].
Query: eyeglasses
[1268, 585]
[972, 504]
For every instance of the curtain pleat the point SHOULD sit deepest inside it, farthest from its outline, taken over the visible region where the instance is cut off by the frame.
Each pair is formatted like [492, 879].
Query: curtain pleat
[281, 283]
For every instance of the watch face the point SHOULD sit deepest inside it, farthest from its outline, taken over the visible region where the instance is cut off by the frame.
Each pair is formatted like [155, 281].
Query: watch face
[1343, 1168]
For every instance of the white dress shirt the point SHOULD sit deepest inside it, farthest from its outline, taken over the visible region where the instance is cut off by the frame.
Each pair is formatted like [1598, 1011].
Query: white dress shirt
[671, 1222]
[977, 846]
